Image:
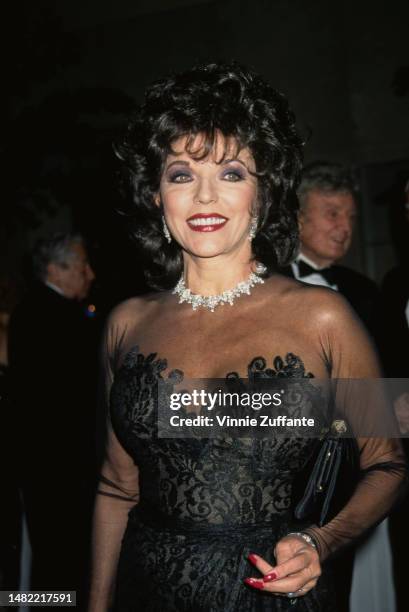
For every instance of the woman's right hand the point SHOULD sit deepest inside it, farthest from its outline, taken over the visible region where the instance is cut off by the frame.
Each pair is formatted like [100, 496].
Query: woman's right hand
[295, 573]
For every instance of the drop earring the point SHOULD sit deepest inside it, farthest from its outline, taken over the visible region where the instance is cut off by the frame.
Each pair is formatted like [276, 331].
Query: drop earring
[166, 232]
[253, 228]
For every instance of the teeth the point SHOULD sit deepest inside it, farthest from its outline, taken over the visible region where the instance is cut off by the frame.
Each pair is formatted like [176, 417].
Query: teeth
[207, 221]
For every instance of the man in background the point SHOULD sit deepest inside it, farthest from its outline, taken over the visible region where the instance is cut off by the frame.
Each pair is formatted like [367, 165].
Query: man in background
[328, 195]
[52, 366]
[328, 209]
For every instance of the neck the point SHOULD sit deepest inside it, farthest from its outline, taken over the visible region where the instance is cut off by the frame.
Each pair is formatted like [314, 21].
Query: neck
[319, 262]
[212, 276]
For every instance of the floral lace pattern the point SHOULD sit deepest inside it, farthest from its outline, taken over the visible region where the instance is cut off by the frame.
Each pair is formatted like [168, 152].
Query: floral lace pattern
[205, 503]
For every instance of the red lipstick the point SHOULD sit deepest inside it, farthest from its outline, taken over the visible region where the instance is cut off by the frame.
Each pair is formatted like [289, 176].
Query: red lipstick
[206, 222]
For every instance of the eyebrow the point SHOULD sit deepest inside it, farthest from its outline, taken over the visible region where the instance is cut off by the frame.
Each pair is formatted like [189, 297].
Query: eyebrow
[177, 162]
[337, 208]
[183, 162]
[235, 159]
[336, 205]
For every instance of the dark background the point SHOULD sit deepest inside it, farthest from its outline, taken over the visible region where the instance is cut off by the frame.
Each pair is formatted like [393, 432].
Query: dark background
[73, 70]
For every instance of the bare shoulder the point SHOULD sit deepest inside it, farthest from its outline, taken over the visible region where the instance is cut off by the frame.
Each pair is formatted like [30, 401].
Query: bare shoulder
[135, 310]
[319, 305]
[324, 303]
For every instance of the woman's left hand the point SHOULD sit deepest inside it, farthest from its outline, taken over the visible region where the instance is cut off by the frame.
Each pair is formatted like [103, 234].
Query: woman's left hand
[295, 573]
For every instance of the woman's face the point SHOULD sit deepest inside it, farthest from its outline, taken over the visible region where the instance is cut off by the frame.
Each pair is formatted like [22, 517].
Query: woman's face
[208, 205]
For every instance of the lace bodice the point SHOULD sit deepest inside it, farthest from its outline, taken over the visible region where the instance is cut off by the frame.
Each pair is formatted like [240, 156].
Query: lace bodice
[222, 480]
[235, 481]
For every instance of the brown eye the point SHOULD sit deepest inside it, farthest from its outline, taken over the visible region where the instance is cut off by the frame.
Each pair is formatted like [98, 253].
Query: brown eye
[233, 176]
[180, 177]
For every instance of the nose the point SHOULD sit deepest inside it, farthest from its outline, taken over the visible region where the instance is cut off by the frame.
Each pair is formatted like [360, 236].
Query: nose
[206, 192]
[346, 224]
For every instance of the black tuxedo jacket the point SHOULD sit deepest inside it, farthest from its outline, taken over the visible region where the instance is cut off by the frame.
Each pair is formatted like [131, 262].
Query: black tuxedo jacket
[53, 362]
[394, 330]
[361, 292]
[53, 390]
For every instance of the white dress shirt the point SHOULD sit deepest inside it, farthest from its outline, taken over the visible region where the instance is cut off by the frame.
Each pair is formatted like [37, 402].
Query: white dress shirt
[54, 288]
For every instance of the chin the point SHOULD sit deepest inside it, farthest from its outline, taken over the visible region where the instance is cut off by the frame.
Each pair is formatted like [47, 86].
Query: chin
[339, 255]
[205, 253]
[333, 254]
[207, 248]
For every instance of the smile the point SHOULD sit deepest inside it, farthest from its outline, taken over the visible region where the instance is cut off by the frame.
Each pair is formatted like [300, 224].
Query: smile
[206, 223]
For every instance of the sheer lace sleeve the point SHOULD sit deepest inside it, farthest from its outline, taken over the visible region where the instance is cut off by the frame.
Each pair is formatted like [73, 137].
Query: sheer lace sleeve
[118, 489]
[383, 469]
[118, 475]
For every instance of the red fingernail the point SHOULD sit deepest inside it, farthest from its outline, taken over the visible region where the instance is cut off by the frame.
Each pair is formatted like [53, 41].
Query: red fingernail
[256, 584]
[252, 558]
[270, 577]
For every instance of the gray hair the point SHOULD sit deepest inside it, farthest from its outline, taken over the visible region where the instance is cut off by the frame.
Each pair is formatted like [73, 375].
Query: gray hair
[57, 249]
[331, 178]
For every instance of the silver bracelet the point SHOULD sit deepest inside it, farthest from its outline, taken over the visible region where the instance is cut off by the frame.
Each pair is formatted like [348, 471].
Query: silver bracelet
[307, 538]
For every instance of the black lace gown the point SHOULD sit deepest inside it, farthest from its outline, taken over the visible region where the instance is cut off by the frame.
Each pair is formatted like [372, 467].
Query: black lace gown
[205, 504]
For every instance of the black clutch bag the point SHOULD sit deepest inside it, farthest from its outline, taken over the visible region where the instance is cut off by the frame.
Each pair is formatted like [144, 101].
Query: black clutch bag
[329, 478]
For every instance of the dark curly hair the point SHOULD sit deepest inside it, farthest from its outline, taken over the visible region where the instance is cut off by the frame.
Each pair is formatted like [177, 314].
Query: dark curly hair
[211, 99]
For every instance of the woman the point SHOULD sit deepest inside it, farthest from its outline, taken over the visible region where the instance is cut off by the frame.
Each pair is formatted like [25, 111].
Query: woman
[213, 159]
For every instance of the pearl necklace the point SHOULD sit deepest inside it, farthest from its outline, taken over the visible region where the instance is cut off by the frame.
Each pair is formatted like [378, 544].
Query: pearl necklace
[227, 297]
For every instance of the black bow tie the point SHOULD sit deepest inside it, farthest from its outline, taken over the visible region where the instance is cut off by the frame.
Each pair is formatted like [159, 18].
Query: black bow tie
[305, 269]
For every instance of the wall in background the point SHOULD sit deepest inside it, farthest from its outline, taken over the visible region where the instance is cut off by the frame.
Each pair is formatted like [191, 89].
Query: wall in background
[77, 68]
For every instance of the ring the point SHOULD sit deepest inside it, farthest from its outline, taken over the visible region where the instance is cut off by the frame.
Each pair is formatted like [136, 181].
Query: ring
[292, 595]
